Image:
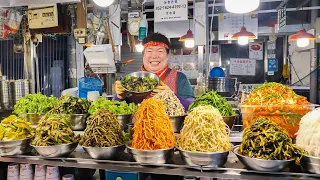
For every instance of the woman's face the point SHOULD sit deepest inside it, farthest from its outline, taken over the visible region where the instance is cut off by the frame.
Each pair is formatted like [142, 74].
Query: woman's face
[155, 58]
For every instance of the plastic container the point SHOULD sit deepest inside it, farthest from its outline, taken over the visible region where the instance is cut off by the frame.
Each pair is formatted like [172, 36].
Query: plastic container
[87, 84]
[287, 116]
[143, 28]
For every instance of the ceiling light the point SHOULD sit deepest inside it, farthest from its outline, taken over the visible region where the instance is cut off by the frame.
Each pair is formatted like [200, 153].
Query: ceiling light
[241, 6]
[103, 3]
[302, 37]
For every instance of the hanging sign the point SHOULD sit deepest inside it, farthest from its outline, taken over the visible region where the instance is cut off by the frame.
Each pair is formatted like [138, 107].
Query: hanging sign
[242, 67]
[170, 10]
[282, 17]
[256, 51]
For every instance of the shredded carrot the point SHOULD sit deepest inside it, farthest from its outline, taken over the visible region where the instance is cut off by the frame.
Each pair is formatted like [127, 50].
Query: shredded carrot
[152, 129]
[278, 103]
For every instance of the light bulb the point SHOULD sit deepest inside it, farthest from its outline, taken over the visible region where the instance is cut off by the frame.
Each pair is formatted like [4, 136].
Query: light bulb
[241, 6]
[303, 42]
[189, 43]
[243, 40]
[139, 47]
[103, 3]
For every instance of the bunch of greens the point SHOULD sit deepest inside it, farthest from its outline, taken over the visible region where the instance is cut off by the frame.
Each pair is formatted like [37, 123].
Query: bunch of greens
[212, 98]
[72, 105]
[265, 139]
[54, 129]
[35, 103]
[14, 128]
[114, 107]
[139, 84]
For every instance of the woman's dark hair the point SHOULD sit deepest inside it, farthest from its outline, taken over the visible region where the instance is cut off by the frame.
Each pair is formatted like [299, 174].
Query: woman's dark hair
[156, 37]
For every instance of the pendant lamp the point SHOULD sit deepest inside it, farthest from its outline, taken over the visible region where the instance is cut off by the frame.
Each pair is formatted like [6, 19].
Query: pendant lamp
[243, 35]
[103, 3]
[302, 37]
[241, 6]
[188, 39]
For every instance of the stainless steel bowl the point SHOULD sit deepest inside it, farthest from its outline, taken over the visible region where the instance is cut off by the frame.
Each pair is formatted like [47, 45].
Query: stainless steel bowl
[177, 122]
[130, 129]
[33, 118]
[142, 74]
[261, 164]
[78, 122]
[229, 120]
[56, 151]
[311, 164]
[105, 153]
[204, 159]
[16, 147]
[138, 97]
[152, 157]
[124, 119]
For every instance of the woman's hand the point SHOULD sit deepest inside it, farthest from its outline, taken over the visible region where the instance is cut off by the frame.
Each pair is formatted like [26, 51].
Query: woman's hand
[120, 91]
[162, 87]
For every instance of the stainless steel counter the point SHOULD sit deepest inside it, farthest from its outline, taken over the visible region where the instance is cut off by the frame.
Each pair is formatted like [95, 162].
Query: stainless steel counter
[233, 169]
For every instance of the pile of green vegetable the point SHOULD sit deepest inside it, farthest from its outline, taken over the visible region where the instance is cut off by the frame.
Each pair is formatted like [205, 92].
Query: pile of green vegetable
[54, 129]
[35, 103]
[114, 107]
[212, 98]
[15, 128]
[72, 105]
[103, 130]
[139, 84]
[265, 139]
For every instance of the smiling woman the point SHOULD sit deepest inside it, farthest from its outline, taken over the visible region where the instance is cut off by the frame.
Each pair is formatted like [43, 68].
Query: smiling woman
[155, 60]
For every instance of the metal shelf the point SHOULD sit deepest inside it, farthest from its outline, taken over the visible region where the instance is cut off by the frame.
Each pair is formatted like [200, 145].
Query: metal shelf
[233, 168]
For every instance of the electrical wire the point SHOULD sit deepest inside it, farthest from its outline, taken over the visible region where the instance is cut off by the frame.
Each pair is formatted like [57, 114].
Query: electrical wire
[294, 69]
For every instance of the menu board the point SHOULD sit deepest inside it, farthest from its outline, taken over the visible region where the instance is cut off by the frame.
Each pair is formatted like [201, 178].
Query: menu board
[229, 24]
[242, 67]
[256, 51]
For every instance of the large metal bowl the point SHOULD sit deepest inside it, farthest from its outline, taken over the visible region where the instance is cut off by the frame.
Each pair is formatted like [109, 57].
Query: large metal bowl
[62, 150]
[105, 153]
[206, 160]
[230, 120]
[78, 122]
[124, 119]
[33, 118]
[311, 164]
[138, 97]
[177, 122]
[152, 157]
[261, 164]
[142, 74]
[16, 147]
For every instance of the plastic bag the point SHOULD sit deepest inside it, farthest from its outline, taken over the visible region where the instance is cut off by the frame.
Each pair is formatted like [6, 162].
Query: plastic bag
[12, 23]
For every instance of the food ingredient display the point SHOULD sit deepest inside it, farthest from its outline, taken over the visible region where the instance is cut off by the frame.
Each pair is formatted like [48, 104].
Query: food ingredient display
[152, 129]
[114, 107]
[172, 104]
[277, 102]
[54, 129]
[15, 128]
[139, 84]
[204, 131]
[212, 98]
[265, 139]
[72, 105]
[35, 103]
[103, 130]
[308, 137]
